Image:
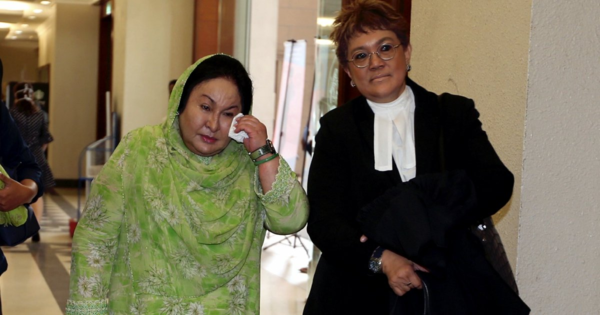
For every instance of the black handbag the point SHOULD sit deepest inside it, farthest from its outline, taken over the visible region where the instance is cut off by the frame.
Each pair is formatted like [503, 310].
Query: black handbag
[15, 235]
[485, 231]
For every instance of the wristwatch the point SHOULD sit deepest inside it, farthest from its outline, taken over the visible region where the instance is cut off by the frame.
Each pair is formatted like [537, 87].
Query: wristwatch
[375, 261]
[265, 149]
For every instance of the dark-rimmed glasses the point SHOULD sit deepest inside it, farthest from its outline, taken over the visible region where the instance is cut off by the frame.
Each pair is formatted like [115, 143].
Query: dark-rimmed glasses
[386, 52]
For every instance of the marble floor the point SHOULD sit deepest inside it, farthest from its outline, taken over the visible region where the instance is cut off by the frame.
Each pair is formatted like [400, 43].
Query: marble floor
[37, 279]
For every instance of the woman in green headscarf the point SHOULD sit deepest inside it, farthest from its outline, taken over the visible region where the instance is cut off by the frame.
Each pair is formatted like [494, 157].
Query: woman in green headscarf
[176, 219]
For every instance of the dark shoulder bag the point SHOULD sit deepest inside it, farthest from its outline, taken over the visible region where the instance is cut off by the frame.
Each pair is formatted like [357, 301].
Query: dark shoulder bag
[485, 231]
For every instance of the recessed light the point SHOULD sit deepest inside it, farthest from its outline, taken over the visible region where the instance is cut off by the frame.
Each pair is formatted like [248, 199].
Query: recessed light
[5, 25]
[323, 21]
[31, 17]
[13, 37]
[45, 2]
[13, 6]
[38, 11]
[24, 25]
[18, 32]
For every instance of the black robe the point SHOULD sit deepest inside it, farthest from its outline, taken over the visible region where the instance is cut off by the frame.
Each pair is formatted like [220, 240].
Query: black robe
[343, 180]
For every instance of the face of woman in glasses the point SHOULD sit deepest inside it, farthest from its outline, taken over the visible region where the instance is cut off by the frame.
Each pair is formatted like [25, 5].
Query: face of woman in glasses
[380, 81]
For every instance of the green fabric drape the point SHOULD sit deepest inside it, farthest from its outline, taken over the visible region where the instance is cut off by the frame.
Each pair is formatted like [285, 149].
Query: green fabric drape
[14, 217]
[167, 231]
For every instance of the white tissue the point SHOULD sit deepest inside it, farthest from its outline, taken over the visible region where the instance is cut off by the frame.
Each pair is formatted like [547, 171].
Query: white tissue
[239, 136]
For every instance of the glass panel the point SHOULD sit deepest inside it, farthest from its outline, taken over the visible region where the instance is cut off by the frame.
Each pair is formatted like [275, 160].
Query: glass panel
[325, 90]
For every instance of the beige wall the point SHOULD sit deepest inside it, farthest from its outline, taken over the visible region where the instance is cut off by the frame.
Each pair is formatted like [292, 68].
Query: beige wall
[298, 20]
[152, 45]
[262, 47]
[69, 43]
[479, 50]
[559, 247]
[46, 39]
[20, 63]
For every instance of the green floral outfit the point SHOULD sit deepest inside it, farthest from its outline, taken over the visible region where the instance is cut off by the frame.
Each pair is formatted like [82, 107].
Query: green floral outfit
[168, 232]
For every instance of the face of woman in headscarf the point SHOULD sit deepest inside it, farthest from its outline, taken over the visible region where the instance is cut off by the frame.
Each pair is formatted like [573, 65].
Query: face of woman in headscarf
[380, 81]
[205, 121]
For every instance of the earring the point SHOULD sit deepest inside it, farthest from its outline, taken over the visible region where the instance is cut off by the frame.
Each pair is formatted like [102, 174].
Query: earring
[408, 67]
[352, 83]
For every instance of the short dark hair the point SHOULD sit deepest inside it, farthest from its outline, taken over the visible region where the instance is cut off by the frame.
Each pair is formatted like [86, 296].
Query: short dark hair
[23, 102]
[363, 16]
[220, 66]
[172, 82]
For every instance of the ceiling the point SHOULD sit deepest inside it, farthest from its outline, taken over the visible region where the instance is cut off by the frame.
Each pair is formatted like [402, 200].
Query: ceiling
[20, 19]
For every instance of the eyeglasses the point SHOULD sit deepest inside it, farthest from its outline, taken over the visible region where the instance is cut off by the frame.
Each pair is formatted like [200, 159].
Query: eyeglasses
[386, 52]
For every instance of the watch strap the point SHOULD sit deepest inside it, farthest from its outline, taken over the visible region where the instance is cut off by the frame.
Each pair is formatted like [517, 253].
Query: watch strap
[265, 149]
[375, 260]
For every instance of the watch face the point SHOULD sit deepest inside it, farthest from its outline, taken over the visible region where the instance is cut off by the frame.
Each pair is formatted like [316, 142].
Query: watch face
[271, 147]
[374, 265]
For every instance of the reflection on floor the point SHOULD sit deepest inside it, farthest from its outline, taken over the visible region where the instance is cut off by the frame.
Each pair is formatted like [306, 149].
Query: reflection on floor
[37, 279]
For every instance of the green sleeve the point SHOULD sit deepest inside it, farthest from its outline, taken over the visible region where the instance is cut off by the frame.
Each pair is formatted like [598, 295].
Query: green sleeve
[95, 239]
[286, 204]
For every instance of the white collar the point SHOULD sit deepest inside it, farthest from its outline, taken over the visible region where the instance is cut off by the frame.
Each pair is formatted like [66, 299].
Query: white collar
[395, 113]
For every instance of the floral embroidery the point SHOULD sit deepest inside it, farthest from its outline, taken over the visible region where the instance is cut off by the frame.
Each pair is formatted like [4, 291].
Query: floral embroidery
[285, 181]
[193, 186]
[204, 159]
[222, 264]
[221, 196]
[138, 307]
[87, 307]
[189, 266]
[159, 156]
[95, 214]
[173, 306]
[237, 304]
[155, 281]
[237, 284]
[90, 286]
[134, 233]
[154, 197]
[122, 158]
[196, 309]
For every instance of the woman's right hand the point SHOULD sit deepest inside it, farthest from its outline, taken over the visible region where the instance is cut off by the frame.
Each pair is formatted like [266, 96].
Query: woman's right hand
[401, 272]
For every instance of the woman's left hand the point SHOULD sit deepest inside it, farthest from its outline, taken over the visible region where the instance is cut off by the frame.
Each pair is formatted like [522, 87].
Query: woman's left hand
[15, 194]
[256, 130]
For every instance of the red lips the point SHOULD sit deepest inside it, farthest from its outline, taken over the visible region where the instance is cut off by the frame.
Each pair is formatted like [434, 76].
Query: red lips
[379, 77]
[208, 139]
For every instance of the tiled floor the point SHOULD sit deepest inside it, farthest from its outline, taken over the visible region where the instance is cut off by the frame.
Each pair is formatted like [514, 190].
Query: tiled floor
[38, 274]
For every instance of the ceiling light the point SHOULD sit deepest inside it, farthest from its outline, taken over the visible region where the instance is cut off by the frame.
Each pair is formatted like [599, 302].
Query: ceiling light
[24, 25]
[5, 25]
[324, 42]
[18, 32]
[13, 6]
[13, 37]
[31, 17]
[38, 11]
[45, 2]
[325, 21]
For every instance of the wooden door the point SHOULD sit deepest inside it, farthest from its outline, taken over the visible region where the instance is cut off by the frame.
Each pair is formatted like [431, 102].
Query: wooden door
[214, 27]
[105, 58]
